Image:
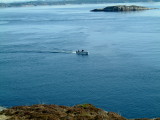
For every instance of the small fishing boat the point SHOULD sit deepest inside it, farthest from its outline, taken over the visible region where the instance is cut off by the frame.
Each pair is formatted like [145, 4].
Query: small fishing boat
[82, 52]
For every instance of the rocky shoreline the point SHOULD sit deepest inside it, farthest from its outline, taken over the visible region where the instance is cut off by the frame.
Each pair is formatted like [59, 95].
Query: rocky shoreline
[122, 8]
[56, 112]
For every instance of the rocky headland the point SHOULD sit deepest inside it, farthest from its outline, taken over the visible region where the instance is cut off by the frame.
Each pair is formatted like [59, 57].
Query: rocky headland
[121, 8]
[55, 112]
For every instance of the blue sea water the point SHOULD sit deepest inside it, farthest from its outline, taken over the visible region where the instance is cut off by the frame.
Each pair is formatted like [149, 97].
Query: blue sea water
[38, 63]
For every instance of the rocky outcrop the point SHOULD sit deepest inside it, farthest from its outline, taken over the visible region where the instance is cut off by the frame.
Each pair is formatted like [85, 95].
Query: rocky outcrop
[55, 112]
[121, 8]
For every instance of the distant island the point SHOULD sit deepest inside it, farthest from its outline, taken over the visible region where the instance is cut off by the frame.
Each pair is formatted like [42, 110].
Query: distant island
[121, 8]
[64, 2]
[56, 112]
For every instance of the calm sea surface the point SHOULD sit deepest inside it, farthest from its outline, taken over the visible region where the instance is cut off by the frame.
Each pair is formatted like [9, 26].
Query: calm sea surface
[38, 63]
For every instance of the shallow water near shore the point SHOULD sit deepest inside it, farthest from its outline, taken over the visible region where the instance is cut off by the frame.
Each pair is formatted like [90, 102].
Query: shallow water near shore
[38, 63]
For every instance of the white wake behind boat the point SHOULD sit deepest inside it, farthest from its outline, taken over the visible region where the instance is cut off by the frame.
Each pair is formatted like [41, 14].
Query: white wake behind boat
[81, 52]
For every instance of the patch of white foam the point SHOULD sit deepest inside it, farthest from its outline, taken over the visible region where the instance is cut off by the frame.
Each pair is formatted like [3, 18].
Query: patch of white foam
[73, 52]
[2, 108]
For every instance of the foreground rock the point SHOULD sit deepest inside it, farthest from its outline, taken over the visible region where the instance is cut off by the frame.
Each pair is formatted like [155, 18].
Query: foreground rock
[55, 112]
[121, 8]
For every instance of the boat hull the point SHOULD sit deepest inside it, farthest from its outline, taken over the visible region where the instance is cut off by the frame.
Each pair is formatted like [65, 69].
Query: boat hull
[81, 53]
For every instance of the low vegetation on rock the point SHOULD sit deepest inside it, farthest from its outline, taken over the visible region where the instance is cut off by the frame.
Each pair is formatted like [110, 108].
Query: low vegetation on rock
[55, 112]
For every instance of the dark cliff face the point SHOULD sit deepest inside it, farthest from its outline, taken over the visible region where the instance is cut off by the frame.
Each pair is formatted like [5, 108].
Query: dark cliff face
[121, 8]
